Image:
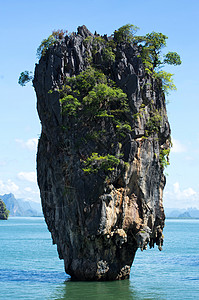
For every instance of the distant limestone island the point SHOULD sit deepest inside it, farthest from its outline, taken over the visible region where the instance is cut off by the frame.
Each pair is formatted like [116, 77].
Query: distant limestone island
[176, 213]
[4, 213]
[20, 207]
[10, 206]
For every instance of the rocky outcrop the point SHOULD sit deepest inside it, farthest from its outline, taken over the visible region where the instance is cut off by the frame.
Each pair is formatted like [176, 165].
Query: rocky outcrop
[100, 166]
[4, 213]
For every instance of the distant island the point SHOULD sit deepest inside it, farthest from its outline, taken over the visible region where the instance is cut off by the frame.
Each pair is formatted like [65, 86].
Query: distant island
[177, 213]
[20, 207]
[4, 213]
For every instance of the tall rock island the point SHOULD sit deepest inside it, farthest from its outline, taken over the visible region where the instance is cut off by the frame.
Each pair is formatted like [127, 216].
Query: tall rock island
[104, 143]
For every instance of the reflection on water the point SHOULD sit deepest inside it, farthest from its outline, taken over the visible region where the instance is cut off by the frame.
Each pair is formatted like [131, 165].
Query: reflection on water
[99, 290]
[32, 276]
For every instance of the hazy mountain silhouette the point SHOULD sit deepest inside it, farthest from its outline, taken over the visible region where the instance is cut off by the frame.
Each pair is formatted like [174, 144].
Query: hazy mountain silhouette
[20, 207]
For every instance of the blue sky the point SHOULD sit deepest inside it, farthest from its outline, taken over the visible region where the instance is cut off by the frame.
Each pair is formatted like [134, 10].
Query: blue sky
[23, 25]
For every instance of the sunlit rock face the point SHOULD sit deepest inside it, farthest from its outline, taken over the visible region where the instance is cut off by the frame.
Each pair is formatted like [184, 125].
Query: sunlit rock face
[99, 217]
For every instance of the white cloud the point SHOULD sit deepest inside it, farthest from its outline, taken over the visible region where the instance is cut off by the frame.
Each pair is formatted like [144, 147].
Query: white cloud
[29, 176]
[28, 189]
[26, 193]
[8, 187]
[178, 147]
[186, 193]
[30, 144]
[176, 197]
[176, 188]
[32, 194]
[189, 192]
[32, 191]
[189, 158]
[2, 163]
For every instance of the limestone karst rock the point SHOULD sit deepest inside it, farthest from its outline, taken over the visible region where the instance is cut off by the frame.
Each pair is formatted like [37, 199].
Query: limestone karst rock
[4, 213]
[100, 159]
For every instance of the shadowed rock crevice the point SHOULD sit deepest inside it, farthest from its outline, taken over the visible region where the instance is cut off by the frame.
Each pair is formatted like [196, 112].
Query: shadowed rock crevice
[99, 164]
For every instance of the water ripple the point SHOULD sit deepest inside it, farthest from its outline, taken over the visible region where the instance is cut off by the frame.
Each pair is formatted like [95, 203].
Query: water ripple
[32, 276]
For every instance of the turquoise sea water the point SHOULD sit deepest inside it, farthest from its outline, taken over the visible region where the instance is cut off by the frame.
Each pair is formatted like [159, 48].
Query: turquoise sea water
[30, 267]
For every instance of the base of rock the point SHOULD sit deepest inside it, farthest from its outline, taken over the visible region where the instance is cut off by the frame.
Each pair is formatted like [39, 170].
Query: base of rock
[89, 271]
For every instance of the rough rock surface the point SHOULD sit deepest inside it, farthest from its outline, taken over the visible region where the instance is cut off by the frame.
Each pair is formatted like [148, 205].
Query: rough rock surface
[99, 220]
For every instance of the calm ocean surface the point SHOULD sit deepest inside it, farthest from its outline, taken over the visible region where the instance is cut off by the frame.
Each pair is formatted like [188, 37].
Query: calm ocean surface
[30, 267]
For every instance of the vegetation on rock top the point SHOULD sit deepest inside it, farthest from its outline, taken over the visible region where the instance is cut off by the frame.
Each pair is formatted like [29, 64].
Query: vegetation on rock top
[151, 54]
[94, 95]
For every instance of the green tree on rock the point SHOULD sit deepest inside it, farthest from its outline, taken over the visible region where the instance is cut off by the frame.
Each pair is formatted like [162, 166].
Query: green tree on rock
[152, 45]
[24, 78]
[125, 33]
[4, 213]
[151, 54]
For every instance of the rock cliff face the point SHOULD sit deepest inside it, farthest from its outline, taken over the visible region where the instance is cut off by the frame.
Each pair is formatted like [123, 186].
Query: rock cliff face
[100, 166]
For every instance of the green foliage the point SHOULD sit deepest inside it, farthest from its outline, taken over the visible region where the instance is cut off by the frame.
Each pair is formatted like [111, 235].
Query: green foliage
[153, 124]
[140, 113]
[97, 43]
[94, 94]
[108, 55]
[57, 35]
[148, 64]
[87, 41]
[70, 105]
[24, 78]
[172, 58]
[125, 33]
[103, 114]
[137, 115]
[123, 128]
[151, 51]
[152, 45]
[95, 135]
[74, 90]
[96, 162]
[164, 157]
[155, 40]
[45, 45]
[65, 90]
[83, 83]
[111, 44]
[4, 213]
[104, 100]
[167, 81]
